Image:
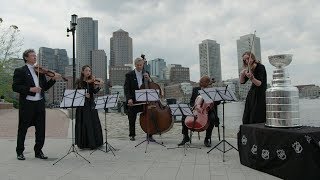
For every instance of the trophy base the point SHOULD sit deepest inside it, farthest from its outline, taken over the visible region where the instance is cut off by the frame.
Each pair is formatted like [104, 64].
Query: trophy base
[283, 123]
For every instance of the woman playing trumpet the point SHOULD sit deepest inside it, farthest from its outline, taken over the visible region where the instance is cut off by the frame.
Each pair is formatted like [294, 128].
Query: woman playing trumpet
[88, 132]
[255, 107]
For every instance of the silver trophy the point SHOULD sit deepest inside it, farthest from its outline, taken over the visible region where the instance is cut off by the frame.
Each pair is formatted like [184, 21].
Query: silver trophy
[282, 98]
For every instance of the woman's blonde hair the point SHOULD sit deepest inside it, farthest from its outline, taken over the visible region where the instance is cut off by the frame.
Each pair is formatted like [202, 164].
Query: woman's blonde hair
[252, 57]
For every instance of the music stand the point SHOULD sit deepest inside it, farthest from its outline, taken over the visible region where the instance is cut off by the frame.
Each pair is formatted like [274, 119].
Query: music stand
[105, 102]
[219, 94]
[182, 110]
[147, 96]
[72, 99]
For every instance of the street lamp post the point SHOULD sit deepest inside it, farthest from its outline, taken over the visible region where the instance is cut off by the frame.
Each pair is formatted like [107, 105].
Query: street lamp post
[73, 24]
[72, 29]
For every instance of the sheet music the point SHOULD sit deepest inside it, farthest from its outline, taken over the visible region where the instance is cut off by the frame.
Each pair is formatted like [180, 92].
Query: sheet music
[106, 101]
[180, 109]
[217, 94]
[75, 96]
[144, 94]
[175, 110]
[227, 94]
[212, 92]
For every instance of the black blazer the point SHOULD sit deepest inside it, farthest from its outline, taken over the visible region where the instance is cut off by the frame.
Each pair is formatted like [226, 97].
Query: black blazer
[130, 85]
[23, 81]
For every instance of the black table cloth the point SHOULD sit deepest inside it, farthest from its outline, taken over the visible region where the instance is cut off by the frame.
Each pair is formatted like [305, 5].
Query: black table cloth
[288, 153]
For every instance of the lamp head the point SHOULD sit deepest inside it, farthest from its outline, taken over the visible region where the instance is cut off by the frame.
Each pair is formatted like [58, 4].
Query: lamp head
[73, 20]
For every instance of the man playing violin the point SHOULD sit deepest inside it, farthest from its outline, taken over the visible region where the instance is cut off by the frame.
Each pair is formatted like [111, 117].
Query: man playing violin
[134, 80]
[31, 87]
[213, 119]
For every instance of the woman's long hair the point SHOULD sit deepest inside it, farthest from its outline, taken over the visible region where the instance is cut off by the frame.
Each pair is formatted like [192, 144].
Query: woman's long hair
[252, 57]
[80, 82]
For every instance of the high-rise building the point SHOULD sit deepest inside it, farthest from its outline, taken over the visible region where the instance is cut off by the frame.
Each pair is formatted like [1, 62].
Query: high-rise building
[210, 59]
[56, 60]
[120, 48]
[46, 58]
[120, 57]
[177, 74]
[99, 65]
[157, 68]
[61, 60]
[86, 41]
[53, 59]
[117, 74]
[248, 42]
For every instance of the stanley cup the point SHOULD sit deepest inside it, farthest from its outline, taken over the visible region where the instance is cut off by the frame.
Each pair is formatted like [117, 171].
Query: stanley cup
[282, 98]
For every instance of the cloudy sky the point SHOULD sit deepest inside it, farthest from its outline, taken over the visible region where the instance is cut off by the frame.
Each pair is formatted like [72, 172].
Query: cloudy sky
[173, 29]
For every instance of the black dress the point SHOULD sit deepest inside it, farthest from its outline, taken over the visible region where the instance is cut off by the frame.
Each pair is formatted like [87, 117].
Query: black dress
[88, 132]
[255, 107]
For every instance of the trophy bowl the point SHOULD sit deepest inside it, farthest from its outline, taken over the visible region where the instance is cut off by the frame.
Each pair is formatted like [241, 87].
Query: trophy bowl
[280, 60]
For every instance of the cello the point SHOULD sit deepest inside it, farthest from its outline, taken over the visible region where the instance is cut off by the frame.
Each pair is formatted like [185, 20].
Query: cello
[155, 118]
[199, 122]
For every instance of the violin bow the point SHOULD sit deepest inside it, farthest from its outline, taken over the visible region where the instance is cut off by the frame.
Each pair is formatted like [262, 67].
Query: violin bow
[251, 44]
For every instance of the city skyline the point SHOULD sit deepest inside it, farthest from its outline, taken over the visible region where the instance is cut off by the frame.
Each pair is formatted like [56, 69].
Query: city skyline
[172, 30]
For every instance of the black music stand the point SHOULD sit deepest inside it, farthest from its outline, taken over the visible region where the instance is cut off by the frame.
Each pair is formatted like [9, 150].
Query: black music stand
[147, 96]
[182, 110]
[72, 99]
[219, 94]
[105, 102]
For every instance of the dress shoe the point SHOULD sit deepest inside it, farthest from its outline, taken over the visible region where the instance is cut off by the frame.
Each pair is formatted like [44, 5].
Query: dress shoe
[207, 142]
[40, 155]
[21, 157]
[151, 139]
[184, 140]
[132, 138]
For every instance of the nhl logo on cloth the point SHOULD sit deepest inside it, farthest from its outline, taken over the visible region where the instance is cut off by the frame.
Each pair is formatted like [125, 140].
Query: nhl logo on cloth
[254, 149]
[297, 147]
[244, 140]
[281, 154]
[265, 154]
[308, 138]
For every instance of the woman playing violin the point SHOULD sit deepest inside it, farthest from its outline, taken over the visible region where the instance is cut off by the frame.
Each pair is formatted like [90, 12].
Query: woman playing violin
[255, 107]
[88, 132]
[213, 119]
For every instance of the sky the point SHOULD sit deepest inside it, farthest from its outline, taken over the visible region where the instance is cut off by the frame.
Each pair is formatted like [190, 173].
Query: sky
[173, 29]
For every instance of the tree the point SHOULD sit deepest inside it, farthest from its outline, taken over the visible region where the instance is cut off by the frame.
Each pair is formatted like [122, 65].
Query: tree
[10, 48]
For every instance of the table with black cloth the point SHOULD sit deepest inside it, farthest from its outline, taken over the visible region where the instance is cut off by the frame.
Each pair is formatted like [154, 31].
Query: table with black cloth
[288, 153]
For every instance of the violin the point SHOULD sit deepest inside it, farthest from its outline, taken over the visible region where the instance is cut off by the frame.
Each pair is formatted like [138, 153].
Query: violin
[94, 80]
[47, 72]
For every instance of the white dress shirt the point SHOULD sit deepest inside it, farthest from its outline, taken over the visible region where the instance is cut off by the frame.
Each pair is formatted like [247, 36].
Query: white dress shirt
[37, 97]
[139, 77]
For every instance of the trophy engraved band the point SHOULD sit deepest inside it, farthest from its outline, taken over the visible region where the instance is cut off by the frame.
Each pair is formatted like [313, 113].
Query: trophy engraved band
[282, 98]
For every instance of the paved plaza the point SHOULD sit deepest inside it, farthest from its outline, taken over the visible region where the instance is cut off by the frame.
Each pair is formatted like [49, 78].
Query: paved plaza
[129, 162]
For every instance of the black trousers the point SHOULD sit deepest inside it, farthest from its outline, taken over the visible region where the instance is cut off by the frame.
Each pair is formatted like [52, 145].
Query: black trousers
[31, 113]
[132, 116]
[213, 121]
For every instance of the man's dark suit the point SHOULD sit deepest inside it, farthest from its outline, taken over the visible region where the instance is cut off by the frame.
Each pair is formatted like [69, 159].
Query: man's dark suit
[130, 85]
[31, 113]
